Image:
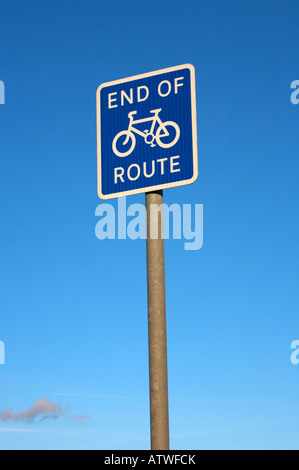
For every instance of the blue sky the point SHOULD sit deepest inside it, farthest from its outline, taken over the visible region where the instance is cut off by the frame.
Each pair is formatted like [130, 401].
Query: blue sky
[74, 308]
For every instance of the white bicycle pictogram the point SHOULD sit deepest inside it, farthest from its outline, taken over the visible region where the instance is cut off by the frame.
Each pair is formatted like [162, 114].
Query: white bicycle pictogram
[148, 134]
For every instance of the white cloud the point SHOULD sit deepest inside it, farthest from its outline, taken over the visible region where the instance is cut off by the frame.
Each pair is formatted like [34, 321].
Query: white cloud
[40, 410]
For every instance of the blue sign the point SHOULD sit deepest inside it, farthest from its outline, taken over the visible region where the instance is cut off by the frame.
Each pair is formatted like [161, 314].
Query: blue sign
[147, 132]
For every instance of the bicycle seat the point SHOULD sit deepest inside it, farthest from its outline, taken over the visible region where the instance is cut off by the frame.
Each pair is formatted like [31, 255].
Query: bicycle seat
[156, 111]
[130, 115]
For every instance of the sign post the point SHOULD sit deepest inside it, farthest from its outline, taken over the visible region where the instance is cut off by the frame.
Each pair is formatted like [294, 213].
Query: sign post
[147, 142]
[157, 323]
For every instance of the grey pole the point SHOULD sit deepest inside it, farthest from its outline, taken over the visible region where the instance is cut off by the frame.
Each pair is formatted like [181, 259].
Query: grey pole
[157, 323]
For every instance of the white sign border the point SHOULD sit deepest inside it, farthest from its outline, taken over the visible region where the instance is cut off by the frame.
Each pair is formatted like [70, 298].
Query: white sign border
[194, 134]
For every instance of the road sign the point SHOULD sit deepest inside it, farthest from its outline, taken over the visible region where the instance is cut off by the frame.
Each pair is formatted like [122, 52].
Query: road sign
[147, 132]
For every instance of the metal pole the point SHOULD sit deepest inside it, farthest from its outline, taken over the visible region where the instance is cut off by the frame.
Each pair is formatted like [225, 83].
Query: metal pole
[157, 323]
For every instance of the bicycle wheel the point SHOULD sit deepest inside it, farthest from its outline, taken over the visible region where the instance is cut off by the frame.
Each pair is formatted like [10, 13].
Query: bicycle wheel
[171, 125]
[122, 140]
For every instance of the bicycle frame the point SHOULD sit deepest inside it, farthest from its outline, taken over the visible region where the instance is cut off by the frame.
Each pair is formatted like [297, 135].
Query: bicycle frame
[155, 119]
[149, 136]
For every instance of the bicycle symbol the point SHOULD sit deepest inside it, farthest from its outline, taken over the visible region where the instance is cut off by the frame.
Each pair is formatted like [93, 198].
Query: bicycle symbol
[164, 129]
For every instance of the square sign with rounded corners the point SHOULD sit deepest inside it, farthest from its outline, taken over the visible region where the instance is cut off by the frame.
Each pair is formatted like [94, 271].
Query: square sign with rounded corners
[147, 132]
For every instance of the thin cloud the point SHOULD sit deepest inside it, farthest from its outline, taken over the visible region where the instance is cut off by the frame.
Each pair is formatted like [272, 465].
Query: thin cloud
[90, 395]
[40, 410]
[17, 430]
[80, 419]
